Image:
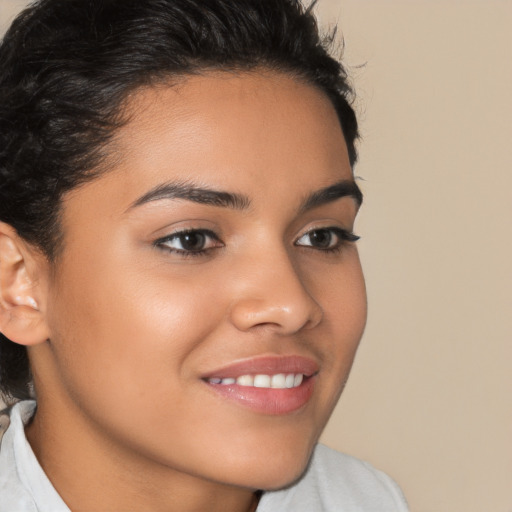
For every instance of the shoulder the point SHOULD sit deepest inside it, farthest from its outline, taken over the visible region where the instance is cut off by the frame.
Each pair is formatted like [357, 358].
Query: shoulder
[355, 480]
[335, 481]
[16, 495]
[4, 422]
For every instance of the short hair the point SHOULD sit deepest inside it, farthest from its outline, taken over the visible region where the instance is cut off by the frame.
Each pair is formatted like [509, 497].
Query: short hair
[66, 66]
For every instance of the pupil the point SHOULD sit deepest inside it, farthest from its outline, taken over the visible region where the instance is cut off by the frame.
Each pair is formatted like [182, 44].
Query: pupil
[321, 238]
[192, 241]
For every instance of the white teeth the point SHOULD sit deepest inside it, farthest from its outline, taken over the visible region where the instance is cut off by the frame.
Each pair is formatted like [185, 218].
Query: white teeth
[262, 381]
[245, 380]
[278, 381]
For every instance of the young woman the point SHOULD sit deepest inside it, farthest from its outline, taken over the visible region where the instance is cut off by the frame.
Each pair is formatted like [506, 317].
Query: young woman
[180, 289]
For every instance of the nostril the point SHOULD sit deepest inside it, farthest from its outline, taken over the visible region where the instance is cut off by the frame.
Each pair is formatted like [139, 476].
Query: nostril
[292, 315]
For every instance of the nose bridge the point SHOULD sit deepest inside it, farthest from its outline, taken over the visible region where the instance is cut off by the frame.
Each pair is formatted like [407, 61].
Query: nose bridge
[272, 292]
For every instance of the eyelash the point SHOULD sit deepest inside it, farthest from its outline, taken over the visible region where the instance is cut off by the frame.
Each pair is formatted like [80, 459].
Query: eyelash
[160, 243]
[344, 236]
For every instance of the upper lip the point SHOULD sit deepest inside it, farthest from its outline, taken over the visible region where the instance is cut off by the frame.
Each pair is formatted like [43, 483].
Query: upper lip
[266, 365]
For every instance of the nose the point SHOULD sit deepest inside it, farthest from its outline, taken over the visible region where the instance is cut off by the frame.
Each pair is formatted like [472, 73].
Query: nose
[272, 293]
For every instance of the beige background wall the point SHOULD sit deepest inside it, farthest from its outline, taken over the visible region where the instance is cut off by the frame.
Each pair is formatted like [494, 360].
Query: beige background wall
[429, 400]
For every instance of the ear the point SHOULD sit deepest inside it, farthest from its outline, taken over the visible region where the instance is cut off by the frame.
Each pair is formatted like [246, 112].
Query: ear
[21, 293]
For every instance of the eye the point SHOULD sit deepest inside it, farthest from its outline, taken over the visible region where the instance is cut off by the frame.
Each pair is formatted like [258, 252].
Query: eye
[326, 239]
[190, 242]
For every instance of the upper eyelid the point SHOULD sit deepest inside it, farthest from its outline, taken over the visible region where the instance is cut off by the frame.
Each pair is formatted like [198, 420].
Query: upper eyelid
[344, 238]
[184, 231]
[340, 231]
[336, 229]
[161, 241]
[164, 244]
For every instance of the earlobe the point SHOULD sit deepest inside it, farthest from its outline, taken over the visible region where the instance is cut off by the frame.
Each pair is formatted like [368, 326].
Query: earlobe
[21, 318]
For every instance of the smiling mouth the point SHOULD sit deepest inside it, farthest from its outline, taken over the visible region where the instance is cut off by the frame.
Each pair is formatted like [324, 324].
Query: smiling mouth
[272, 385]
[277, 381]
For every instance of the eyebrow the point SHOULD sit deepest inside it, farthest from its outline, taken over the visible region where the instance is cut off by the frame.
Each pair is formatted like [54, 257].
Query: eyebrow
[211, 197]
[344, 188]
[196, 194]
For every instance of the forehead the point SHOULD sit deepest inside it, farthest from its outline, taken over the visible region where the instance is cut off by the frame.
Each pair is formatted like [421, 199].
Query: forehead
[238, 122]
[261, 134]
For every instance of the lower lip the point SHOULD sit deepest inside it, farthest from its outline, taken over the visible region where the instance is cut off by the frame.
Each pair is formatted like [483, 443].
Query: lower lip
[267, 400]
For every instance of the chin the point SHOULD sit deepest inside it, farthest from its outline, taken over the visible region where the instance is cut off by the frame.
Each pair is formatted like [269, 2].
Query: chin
[274, 481]
[273, 469]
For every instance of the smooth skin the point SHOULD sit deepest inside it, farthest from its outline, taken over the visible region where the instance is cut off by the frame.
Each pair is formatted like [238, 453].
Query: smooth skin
[128, 320]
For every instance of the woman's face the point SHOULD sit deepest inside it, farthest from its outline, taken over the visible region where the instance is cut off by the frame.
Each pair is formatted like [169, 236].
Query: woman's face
[206, 275]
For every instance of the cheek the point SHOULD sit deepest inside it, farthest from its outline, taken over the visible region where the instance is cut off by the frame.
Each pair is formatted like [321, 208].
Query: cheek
[340, 290]
[126, 326]
[342, 295]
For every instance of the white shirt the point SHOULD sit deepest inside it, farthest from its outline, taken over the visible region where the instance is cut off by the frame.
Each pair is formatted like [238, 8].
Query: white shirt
[333, 482]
